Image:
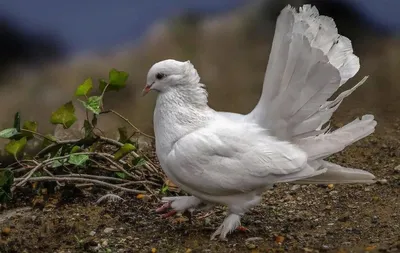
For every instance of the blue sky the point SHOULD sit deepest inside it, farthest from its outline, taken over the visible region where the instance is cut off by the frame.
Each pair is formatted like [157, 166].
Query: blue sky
[101, 24]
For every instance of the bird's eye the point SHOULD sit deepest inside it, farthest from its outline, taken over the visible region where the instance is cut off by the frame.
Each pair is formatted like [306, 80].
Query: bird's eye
[160, 76]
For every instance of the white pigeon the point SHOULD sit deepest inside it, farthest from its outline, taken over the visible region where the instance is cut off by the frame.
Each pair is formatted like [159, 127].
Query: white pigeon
[230, 159]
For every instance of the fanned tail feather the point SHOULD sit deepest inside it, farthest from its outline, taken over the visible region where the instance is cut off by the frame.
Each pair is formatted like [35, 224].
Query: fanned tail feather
[308, 63]
[322, 116]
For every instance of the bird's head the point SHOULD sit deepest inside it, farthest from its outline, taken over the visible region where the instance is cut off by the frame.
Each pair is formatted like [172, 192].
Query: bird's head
[169, 73]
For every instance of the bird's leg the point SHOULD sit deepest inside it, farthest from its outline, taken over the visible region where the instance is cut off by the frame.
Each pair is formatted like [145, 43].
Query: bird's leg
[178, 204]
[231, 222]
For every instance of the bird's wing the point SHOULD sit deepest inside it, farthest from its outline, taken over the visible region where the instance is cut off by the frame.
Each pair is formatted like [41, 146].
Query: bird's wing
[228, 157]
[308, 62]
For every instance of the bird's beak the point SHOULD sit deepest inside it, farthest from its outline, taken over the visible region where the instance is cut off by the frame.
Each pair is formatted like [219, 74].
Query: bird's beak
[146, 89]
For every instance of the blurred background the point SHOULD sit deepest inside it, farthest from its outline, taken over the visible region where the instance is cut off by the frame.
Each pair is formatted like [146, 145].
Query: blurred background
[47, 48]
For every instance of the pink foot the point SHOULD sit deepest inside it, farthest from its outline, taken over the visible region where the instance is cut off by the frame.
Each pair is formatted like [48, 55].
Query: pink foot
[242, 229]
[163, 207]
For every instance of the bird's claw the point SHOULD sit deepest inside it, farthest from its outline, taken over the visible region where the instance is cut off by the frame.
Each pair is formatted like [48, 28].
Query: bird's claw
[242, 229]
[164, 208]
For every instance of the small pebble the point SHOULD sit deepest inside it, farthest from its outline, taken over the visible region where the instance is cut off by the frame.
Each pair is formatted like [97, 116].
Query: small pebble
[92, 233]
[108, 230]
[325, 247]
[295, 187]
[397, 169]
[333, 192]
[382, 181]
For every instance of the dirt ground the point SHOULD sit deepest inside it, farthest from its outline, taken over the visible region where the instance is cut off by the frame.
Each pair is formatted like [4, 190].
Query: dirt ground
[292, 218]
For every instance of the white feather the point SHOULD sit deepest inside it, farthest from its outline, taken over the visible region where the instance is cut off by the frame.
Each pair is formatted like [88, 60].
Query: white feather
[323, 145]
[336, 174]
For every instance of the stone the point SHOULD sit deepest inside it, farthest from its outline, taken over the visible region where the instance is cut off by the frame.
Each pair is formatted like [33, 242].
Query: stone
[108, 230]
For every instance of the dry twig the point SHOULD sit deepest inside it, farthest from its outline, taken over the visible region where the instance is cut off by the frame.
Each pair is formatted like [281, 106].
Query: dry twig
[74, 179]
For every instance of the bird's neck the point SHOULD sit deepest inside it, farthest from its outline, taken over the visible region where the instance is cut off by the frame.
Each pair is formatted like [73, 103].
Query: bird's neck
[179, 111]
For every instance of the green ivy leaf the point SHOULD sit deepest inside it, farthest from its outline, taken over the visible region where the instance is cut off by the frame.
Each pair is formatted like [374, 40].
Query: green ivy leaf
[123, 151]
[164, 189]
[8, 133]
[117, 79]
[31, 126]
[58, 163]
[139, 162]
[14, 147]
[78, 159]
[75, 149]
[84, 88]
[93, 104]
[65, 115]
[120, 175]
